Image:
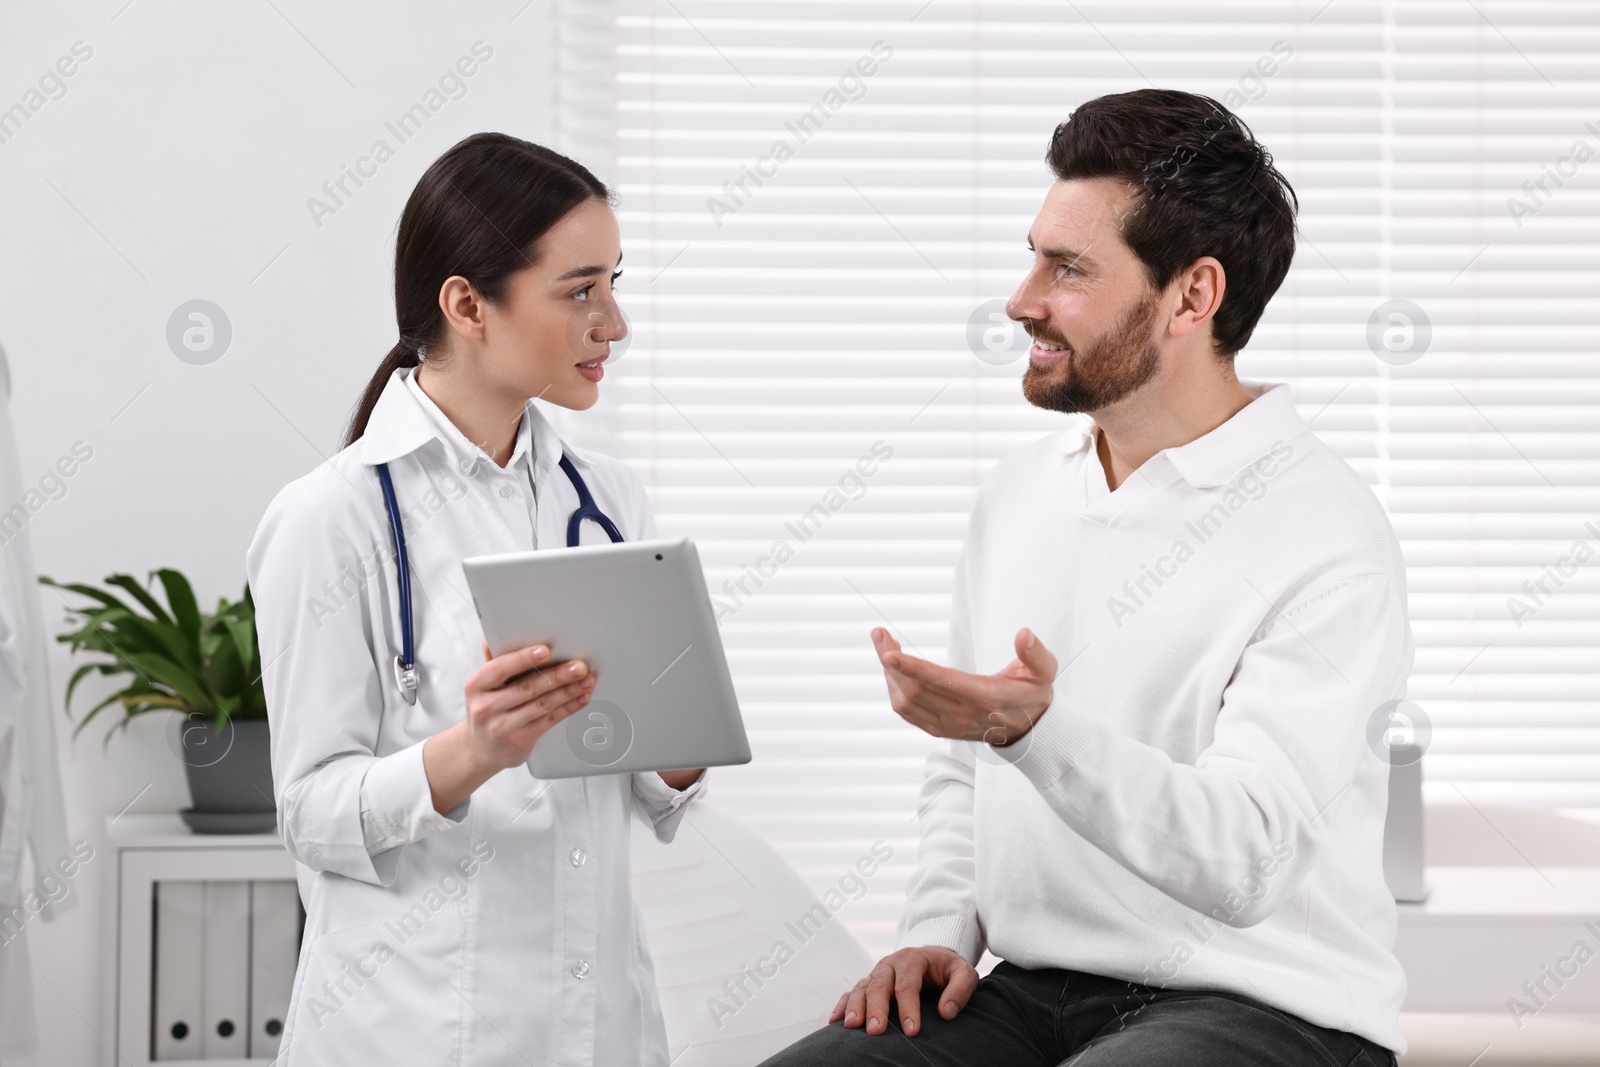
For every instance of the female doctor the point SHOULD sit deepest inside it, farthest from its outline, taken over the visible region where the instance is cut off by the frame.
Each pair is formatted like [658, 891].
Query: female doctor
[459, 910]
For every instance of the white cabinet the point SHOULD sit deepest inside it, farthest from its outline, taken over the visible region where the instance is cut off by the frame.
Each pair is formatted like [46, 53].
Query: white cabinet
[195, 904]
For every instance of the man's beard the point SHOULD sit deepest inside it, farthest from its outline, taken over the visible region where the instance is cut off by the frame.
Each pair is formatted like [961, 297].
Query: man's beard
[1101, 372]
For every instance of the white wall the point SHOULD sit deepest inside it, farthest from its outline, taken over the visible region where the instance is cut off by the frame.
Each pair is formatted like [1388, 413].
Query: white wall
[176, 166]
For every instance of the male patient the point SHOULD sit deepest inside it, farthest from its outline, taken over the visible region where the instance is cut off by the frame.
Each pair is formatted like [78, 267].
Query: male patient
[1157, 804]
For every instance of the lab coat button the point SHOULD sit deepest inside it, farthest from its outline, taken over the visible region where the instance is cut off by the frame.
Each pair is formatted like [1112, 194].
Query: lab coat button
[505, 491]
[580, 968]
[578, 857]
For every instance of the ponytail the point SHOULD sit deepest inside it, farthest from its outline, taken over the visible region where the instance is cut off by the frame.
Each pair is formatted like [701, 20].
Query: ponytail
[401, 355]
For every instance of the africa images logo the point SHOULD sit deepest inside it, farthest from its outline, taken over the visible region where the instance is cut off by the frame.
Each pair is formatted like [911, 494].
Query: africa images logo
[600, 734]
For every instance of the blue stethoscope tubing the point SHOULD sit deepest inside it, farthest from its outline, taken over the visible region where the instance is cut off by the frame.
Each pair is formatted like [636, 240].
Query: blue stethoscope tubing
[405, 664]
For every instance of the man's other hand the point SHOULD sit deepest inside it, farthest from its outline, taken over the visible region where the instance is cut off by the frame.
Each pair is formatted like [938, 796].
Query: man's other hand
[902, 975]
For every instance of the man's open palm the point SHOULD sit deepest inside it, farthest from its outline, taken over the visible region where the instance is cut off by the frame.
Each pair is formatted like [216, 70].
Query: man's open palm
[996, 708]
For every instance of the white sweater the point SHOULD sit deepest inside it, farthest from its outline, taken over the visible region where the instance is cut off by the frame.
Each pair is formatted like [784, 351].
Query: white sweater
[1199, 808]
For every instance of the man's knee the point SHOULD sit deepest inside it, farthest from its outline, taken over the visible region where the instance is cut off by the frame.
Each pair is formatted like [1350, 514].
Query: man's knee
[836, 1046]
[1219, 1030]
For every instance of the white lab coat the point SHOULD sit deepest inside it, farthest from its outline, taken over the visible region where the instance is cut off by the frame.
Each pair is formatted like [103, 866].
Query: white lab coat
[32, 813]
[505, 931]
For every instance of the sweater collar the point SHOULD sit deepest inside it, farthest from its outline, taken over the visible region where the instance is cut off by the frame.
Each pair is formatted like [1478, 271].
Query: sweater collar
[1215, 458]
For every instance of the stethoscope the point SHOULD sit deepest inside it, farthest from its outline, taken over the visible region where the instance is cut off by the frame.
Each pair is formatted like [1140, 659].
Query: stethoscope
[405, 664]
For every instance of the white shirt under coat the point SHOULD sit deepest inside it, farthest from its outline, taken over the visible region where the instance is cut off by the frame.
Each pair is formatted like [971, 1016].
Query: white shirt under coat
[1199, 808]
[504, 931]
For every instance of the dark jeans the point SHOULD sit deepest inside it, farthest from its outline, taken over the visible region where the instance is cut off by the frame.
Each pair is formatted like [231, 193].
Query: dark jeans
[1050, 1017]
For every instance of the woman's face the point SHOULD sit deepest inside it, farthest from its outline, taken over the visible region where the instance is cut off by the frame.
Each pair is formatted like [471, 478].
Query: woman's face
[550, 334]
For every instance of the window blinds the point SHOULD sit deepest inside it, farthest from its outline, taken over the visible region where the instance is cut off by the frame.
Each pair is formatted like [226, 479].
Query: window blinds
[821, 203]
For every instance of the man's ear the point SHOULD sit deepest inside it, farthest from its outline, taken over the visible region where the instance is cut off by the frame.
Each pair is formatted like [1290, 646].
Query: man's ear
[1199, 288]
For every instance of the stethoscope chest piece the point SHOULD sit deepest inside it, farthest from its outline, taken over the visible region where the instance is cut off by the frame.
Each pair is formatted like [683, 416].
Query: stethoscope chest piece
[406, 678]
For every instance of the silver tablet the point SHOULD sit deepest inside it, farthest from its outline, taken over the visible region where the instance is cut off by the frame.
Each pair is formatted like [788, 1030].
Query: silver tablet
[638, 613]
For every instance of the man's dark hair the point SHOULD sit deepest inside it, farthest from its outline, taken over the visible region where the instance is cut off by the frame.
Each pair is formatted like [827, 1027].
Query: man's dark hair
[1205, 187]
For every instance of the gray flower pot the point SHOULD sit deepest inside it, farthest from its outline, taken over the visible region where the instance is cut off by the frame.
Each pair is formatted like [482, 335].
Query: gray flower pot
[229, 771]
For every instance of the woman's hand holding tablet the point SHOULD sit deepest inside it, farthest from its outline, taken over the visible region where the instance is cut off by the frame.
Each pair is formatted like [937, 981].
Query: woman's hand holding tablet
[512, 700]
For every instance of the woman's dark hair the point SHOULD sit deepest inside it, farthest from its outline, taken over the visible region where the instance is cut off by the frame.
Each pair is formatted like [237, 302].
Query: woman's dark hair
[1206, 187]
[478, 211]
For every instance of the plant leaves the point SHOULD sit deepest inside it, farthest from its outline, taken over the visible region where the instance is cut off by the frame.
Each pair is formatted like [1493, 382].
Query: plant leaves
[85, 590]
[177, 658]
[244, 640]
[77, 675]
[126, 581]
[151, 702]
[181, 597]
[175, 678]
[112, 699]
[99, 630]
[223, 674]
[157, 638]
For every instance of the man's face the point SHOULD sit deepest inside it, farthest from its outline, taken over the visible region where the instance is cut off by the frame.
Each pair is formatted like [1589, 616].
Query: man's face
[1086, 301]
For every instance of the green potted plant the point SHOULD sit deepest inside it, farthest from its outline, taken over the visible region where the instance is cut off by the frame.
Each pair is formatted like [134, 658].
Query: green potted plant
[205, 667]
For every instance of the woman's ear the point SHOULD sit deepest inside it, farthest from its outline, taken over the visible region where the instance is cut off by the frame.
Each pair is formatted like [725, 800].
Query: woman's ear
[463, 307]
